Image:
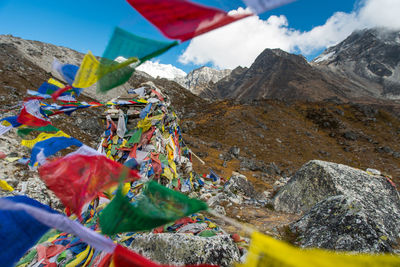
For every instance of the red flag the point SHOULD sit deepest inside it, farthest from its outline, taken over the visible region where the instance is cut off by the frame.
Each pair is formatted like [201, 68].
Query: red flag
[182, 19]
[123, 257]
[59, 92]
[77, 179]
[30, 114]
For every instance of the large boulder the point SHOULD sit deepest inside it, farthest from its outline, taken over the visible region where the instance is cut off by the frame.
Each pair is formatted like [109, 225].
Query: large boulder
[317, 180]
[183, 249]
[345, 208]
[344, 223]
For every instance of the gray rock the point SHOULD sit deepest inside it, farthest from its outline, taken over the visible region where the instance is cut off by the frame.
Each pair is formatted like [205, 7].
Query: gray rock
[350, 135]
[318, 180]
[252, 164]
[182, 249]
[36, 189]
[346, 208]
[345, 223]
[238, 184]
[234, 151]
[219, 209]
[384, 149]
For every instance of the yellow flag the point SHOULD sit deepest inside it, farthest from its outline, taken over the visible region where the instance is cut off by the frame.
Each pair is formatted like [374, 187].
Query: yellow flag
[91, 70]
[4, 185]
[167, 173]
[56, 83]
[267, 251]
[147, 122]
[88, 72]
[42, 137]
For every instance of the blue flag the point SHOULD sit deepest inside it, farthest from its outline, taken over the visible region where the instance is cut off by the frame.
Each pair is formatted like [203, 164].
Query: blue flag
[19, 231]
[48, 147]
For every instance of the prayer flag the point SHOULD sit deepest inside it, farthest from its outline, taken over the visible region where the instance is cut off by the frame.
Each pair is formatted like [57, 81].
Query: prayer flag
[31, 114]
[182, 19]
[24, 220]
[18, 230]
[88, 72]
[42, 137]
[77, 179]
[48, 147]
[25, 131]
[47, 88]
[267, 251]
[127, 48]
[261, 6]
[67, 71]
[156, 206]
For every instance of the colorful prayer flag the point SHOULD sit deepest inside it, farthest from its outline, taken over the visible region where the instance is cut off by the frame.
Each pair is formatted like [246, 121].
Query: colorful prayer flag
[77, 179]
[31, 114]
[67, 71]
[88, 72]
[261, 6]
[156, 206]
[182, 19]
[267, 251]
[48, 147]
[22, 132]
[18, 230]
[128, 48]
[23, 210]
[127, 45]
[42, 137]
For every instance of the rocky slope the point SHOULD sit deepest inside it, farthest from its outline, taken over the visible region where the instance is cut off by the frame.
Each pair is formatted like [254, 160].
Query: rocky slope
[370, 58]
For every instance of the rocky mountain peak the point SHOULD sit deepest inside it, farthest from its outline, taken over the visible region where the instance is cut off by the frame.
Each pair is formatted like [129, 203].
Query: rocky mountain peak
[202, 78]
[370, 57]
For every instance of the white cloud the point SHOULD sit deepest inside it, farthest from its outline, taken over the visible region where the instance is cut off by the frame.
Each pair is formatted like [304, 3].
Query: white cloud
[241, 42]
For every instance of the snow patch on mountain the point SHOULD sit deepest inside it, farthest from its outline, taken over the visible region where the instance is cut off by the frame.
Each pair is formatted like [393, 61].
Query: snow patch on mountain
[324, 57]
[156, 69]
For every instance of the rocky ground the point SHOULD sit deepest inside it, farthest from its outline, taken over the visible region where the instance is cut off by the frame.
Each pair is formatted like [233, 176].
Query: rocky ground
[260, 146]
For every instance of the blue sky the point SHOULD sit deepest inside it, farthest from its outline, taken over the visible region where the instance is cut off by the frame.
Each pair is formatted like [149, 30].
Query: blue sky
[87, 25]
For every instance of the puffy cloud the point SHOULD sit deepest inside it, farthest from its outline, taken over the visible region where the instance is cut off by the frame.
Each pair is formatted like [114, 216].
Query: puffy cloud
[241, 42]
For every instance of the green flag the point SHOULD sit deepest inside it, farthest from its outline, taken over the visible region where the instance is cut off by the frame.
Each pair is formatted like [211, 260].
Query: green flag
[25, 131]
[135, 138]
[156, 206]
[135, 49]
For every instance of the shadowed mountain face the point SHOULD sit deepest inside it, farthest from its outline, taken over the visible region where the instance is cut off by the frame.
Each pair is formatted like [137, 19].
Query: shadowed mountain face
[362, 68]
[276, 74]
[369, 57]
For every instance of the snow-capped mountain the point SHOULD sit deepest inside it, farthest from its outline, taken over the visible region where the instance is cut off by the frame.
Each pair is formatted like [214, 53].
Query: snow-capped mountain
[158, 70]
[202, 78]
[195, 81]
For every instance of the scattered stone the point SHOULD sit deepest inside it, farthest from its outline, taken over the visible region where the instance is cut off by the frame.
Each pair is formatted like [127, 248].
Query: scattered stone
[350, 135]
[384, 149]
[183, 249]
[238, 183]
[234, 151]
[219, 209]
[216, 145]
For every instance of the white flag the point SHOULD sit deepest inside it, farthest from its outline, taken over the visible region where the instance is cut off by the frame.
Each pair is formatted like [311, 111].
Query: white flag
[260, 6]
